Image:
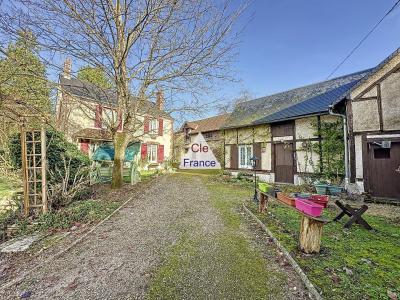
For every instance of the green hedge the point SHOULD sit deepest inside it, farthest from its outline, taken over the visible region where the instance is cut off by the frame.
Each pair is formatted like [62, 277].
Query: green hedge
[57, 146]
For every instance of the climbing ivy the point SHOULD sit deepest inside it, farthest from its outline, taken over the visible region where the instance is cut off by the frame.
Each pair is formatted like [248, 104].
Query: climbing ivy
[331, 149]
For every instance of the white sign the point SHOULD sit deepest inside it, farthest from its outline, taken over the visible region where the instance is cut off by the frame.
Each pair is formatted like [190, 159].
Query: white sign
[199, 156]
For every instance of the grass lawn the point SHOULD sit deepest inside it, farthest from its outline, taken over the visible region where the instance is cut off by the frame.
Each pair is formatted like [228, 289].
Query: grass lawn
[6, 187]
[218, 265]
[353, 263]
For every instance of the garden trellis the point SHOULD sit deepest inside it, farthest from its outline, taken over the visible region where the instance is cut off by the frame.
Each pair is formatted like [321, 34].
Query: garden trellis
[33, 146]
[33, 152]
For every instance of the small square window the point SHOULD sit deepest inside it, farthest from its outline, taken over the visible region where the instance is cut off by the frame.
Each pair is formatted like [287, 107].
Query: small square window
[208, 135]
[382, 153]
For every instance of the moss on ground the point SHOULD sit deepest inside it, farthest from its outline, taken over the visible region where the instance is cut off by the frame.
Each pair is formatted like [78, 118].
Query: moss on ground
[6, 188]
[353, 263]
[221, 265]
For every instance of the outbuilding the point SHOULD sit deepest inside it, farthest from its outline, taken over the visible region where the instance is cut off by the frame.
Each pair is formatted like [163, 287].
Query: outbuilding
[372, 110]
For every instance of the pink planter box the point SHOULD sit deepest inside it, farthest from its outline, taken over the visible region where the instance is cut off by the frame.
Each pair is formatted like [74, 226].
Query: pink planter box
[320, 199]
[308, 207]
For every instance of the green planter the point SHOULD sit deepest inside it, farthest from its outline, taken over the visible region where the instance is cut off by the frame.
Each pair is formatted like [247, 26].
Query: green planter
[322, 189]
[334, 189]
[264, 187]
[327, 189]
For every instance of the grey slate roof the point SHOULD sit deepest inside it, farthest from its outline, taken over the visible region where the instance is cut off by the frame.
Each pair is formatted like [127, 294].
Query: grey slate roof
[249, 112]
[314, 106]
[87, 91]
[90, 92]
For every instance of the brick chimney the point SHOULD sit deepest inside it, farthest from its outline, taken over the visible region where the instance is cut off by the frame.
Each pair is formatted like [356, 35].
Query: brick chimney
[67, 68]
[160, 100]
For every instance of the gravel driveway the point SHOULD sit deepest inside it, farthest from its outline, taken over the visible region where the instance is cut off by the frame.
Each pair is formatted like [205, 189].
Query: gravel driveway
[118, 260]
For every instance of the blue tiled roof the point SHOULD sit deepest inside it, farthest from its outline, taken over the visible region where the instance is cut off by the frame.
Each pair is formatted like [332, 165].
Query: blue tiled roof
[315, 105]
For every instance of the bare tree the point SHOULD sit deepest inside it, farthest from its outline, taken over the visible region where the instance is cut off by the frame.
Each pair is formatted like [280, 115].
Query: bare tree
[227, 106]
[183, 46]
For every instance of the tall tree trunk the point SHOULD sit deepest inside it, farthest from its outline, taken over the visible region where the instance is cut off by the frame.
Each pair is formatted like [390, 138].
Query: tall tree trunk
[119, 156]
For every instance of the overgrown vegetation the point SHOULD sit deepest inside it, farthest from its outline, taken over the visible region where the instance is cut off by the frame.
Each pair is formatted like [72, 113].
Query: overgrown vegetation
[330, 151]
[57, 148]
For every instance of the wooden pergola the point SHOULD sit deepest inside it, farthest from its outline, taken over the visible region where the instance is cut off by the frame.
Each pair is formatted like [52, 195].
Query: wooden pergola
[33, 153]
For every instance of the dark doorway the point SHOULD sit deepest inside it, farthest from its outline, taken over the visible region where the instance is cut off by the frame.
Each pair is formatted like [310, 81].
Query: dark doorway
[284, 162]
[384, 170]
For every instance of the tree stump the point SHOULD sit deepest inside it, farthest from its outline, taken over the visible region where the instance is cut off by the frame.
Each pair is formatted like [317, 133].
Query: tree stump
[262, 206]
[310, 234]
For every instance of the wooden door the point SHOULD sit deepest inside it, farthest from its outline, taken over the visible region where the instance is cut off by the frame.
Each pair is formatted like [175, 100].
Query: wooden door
[284, 162]
[384, 171]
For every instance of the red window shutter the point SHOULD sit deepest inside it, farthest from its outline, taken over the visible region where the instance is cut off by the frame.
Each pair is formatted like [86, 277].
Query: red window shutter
[98, 118]
[160, 153]
[85, 146]
[160, 126]
[146, 124]
[120, 121]
[144, 151]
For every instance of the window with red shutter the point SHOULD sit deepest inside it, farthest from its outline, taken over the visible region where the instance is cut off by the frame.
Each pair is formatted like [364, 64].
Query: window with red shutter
[160, 153]
[144, 151]
[98, 117]
[160, 126]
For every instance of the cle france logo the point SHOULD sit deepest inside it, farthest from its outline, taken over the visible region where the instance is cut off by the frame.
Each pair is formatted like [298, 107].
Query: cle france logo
[199, 156]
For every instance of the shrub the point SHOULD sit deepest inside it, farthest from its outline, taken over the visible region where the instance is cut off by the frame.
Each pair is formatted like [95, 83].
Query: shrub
[69, 188]
[78, 212]
[57, 147]
[67, 168]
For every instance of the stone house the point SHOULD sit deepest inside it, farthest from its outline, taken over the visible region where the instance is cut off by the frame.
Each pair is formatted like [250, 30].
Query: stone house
[209, 128]
[372, 110]
[85, 113]
[276, 129]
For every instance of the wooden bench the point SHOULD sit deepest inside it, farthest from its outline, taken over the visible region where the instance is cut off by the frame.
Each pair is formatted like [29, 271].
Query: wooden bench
[310, 227]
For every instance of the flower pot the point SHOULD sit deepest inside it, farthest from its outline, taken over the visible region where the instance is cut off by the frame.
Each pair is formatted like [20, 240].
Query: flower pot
[320, 199]
[308, 207]
[322, 189]
[264, 187]
[334, 190]
[302, 195]
[284, 198]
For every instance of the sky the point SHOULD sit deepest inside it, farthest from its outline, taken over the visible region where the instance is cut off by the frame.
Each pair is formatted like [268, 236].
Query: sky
[290, 43]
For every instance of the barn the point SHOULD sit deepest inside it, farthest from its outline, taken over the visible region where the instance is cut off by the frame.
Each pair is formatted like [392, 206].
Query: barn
[372, 109]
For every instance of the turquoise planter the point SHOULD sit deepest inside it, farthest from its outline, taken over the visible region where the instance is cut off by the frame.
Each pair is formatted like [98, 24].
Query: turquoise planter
[334, 190]
[326, 189]
[322, 189]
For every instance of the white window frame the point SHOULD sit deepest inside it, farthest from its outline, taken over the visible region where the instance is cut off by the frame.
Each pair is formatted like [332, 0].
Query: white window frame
[152, 153]
[153, 126]
[245, 152]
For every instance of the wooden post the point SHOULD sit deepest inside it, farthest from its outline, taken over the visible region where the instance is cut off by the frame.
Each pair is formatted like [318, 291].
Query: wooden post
[24, 169]
[44, 167]
[262, 207]
[310, 234]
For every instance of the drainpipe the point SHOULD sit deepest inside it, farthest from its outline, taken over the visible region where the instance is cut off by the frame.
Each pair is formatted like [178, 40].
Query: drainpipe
[346, 148]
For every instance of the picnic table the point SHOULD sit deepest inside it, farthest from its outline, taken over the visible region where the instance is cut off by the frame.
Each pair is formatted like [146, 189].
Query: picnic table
[310, 227]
